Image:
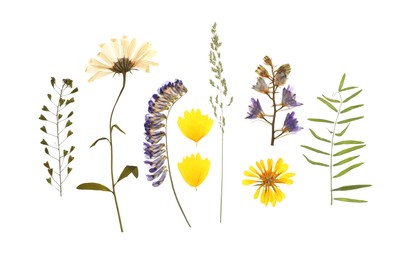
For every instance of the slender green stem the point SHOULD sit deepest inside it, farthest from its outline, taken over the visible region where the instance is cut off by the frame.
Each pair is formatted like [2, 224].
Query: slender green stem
[112, 154]
[170, 173]
[58, 142]
[331, 150]
[222, 173]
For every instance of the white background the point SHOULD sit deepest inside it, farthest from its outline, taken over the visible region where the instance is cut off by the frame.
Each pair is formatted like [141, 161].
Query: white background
[320, 40]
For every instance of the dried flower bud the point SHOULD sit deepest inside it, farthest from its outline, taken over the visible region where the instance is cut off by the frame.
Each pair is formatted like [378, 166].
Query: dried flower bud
[262, 72]
[281, 74]
[268, 61]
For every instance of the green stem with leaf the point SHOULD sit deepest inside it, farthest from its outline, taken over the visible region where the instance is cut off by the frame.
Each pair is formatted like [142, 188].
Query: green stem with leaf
[112, 154]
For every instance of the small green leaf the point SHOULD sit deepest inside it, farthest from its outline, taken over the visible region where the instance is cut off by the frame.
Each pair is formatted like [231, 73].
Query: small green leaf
[53, 81]
[44, 142]
[50, 171]
[48, 180]
[349, 142]
[70, 159]
[72, 148]
[49, 96]
[315, 150]
[318, 137]
[348, 150]
[68, 123]
[327, 103]
[343, 131]
[118, 128]
[70, 114]
[46, 150]
[95, 142]
[68, 82]
[46, 164]
[74, 90]
[69, 170]
[93, 186]
[349, 88]
[352, 96]
[65, 152]
[315, 163]
[352, 187]
[60, 116]
[69, 133]
[61, 101]
[346, 160]
[331, 99]
[44, 108]
[70, 101]
[348, 169]
[350, 120]
[41, 117]
[350, 108]
[43, 129]
[127, 170]
[230, 101]
[320, 120]
[342, 81]
[350, 200]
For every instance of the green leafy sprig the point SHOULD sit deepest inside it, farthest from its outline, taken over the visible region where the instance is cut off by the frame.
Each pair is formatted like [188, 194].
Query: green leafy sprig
[217, 101]
[57, 130]
[344, 156]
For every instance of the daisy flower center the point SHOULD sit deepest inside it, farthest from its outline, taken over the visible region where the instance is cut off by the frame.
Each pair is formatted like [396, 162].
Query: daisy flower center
[123, 65]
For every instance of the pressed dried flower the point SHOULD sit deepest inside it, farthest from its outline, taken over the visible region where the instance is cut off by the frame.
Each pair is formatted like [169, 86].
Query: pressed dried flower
[194, 125]
[194, 169]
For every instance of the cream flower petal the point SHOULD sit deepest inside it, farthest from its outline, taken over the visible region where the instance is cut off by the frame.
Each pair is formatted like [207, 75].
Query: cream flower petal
[116, 48]
[106, 51]
[124, 45]
[131, 48]
[99, 75]
[105, 58]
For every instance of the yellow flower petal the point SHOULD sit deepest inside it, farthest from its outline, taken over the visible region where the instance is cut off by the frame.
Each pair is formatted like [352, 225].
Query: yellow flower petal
[256, 195]
[248, 182]
[194, 125]
[250, 174]
[194, 169]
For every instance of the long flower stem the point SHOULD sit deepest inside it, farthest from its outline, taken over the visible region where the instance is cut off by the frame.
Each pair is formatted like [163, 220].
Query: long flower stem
[222, 173]
[112, 154]
[331, 151]
[170, 173]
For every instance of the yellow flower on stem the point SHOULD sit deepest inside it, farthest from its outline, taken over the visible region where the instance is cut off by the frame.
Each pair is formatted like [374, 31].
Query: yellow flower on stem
[194, 125]
[120, 57]
[267, 180]
[194, 169]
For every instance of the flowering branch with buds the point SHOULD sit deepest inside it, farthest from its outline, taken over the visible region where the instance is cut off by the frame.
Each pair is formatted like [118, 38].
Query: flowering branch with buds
[268, 84]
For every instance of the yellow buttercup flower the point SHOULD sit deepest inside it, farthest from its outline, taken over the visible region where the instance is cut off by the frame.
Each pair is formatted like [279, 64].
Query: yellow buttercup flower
[267, 180]
[194, 169]
[194, 125]
[120, 57]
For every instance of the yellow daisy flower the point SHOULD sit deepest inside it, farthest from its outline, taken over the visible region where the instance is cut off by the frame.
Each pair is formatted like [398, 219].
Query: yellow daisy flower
[194, 169]
[121, 57]
[194, 125]
[267, 180]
